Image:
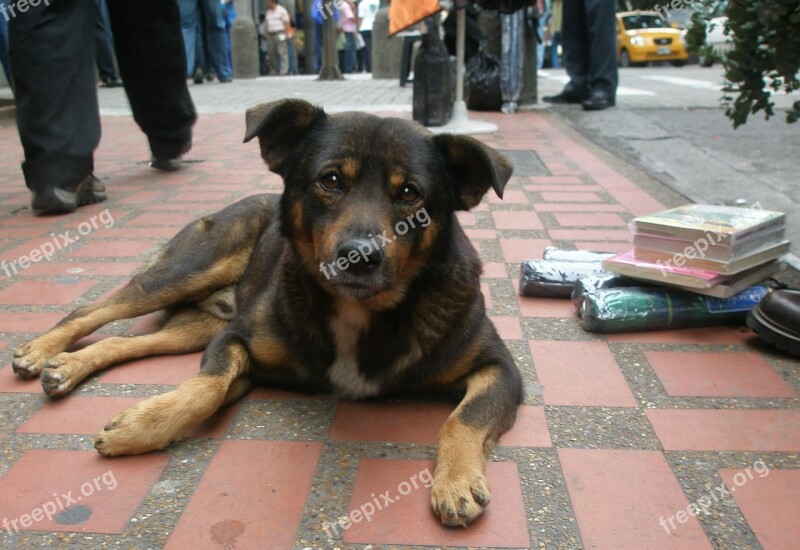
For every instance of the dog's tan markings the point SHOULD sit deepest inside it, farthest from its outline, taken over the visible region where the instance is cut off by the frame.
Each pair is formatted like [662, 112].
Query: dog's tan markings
[396, 181]
[156, 422]
[349, 169]
[460, 490]
[347, 325]
[453, 377]
[185, 332]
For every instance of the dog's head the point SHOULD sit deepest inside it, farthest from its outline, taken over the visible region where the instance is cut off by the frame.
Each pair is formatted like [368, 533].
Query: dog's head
[369, 201]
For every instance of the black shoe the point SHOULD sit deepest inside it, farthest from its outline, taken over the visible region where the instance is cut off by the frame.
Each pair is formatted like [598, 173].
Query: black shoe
[564, 97]
[62, 201]
[598, 102]
[776, 319]
[112, 82]
[198, 75]
[167, 165]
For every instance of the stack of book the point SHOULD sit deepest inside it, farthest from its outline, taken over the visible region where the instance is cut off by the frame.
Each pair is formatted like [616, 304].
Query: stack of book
[708, 249]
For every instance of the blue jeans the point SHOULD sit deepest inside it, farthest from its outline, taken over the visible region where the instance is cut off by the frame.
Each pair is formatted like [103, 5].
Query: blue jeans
[4, 46]
[349, 52]
[214, 27]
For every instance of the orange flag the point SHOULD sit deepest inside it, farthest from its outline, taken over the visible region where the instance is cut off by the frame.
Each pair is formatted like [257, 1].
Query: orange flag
[405, 13]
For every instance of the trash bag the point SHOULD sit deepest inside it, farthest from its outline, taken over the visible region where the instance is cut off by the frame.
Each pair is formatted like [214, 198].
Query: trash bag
[482, 82]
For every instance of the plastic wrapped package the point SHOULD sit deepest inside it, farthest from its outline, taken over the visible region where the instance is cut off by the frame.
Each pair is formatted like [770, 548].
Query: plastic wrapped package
[593, 283]
[561, 255]
[554, 279]
[609, 310]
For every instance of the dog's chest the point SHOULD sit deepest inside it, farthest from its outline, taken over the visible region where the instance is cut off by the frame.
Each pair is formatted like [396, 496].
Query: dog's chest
[344, 375]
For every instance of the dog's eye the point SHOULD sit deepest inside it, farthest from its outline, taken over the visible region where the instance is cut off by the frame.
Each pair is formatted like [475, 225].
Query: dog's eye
[408, 194]
[330, 182]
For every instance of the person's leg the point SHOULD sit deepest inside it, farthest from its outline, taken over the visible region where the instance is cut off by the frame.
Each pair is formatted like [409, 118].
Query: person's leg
[367, 50]
[317, 47]
[147, 35]
[349, 52]
[601, 20]
[272, 54]
[4, 47]
[53, 67]
[283, 56]
[105, 54]
[574, 35]
[554, 50]
[189, 30]
[291, 51]
[214, 26]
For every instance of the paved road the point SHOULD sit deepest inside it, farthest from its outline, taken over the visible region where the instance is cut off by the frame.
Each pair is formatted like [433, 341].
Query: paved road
[669, 122]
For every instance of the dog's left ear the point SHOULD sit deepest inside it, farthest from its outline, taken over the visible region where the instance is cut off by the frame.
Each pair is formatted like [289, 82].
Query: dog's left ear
[280, 127]
[475, 168]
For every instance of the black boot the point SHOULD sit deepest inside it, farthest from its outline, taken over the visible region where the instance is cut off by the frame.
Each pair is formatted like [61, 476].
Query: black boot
[776, 319]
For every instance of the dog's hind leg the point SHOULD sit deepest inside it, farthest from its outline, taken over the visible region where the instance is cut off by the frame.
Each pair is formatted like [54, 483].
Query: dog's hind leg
[186, 331]
[156, 422]
[205, 256]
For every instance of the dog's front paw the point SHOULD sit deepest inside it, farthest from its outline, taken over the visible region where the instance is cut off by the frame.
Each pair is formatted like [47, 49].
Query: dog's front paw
[459, 495]
[135, 430]
[29, 360]
[62, 373]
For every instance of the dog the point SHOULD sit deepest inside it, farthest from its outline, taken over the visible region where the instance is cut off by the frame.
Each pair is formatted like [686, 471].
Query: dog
[356, 280]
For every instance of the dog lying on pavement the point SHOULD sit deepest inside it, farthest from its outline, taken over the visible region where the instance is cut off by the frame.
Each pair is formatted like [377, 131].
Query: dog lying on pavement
[357, 280]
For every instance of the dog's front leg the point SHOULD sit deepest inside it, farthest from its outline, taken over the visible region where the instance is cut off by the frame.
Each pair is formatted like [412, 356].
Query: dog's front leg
[156, 422]
[460, 491]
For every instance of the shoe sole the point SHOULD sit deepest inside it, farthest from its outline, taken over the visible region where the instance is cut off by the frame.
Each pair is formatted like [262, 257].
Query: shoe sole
[771, 333]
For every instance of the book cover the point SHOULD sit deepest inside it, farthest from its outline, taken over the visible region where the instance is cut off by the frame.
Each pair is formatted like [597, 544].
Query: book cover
[721, 252]
[687, 277]
[697, 257]
[717, 223]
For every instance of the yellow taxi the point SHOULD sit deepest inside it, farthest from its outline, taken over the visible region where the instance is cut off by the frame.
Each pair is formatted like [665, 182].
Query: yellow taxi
[644, 36]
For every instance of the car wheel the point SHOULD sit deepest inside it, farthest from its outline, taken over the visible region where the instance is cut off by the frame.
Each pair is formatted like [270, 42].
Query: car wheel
[706, 60]
[624, 59]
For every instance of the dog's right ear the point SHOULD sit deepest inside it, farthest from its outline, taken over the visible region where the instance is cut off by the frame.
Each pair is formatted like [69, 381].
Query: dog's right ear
[280, 127]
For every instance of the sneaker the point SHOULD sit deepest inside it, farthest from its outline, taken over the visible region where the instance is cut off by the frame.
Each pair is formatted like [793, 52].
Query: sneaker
[198, 75]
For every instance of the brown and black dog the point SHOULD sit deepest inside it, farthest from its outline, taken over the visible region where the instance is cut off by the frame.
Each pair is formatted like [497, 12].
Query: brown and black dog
[357, 280]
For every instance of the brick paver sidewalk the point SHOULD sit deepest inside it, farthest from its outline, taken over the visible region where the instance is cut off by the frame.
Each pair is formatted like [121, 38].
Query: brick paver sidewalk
[618, 436]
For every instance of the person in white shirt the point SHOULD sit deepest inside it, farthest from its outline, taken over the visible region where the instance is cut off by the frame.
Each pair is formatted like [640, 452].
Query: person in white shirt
[366, 17]
[278, 30]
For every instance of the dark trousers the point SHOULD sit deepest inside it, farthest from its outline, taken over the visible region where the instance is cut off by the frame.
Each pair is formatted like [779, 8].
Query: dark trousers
[105, 50]
[590, 46]
[52, 50]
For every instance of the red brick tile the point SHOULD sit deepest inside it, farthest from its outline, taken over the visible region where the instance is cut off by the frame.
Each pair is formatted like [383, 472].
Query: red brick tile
[83, 269]
[200, 196]
[251, 496]
[163, 369]
[88, 415]
[107, 492]
[494, 270]
[554, 196]
[466, 219]
[114, 249]
[44, 292]
[410, 521]
[509, 219]
[178, 218]
[580, 374]
[390, 422]
[516, 250]
[698, 374]
[768, 503]
[509, 197]
[727, 430]
[576, 207]
[529, 430]
[545, 307]
[11, 383]
[589, 220]
[711, 335]
[616, 247]
[620, 496]
[590, 234]
[507, 327]
[25, 321]
[561, 180]
[480, 234]
[141, 197]
[563, 189]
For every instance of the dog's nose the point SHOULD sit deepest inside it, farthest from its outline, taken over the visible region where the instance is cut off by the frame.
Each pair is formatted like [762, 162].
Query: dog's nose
[362, 256]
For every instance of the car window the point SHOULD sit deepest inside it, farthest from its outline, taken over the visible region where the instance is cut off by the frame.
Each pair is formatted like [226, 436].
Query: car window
[638, 22]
